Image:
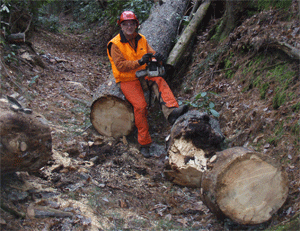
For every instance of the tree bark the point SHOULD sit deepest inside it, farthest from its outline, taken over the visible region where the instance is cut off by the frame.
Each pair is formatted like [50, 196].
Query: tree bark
[161, 26]
[193, 138]
[180, 48]
[16, 38]
[111, 114]
[25, 139]
[233, 14]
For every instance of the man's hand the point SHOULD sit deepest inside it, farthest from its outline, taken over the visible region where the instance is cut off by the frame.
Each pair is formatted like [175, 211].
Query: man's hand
[145, 58]
[159, 57]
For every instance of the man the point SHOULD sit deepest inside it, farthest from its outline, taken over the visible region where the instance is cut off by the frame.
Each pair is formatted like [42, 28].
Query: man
[128, 52]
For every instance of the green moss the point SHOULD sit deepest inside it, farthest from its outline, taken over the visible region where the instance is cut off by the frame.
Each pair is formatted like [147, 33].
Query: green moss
[278, 133]
[296, 129]
[228, 65]
[278, 99]
[257, 81]
[263, 90]
[296, 107]
[267, 4]
[218, 31]
[293, 224]
[228, 73]
[283, 77]
[264, 76]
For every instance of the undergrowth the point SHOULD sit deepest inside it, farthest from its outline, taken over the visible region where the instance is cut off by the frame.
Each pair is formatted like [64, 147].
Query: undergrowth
[274, 81]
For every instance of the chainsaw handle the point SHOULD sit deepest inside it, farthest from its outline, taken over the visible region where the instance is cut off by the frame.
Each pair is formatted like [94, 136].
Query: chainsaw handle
[149, 58]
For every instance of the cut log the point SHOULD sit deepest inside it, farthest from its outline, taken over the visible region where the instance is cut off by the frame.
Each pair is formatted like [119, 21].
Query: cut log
[16, 38]
[244, 186]
[25, 139]
[160, 28]
[238, 183]
[111, 114]
[190, 31]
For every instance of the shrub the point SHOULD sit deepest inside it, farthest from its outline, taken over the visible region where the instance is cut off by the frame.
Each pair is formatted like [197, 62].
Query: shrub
[49, 23]
[267, 4]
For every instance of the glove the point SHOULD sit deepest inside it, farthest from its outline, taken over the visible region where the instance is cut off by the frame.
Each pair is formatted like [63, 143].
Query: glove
[145, 58]
[159, 57]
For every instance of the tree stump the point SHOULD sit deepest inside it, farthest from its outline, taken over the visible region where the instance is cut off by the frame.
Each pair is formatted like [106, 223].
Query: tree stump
[111, 114]
[194, 136]
[25, 139]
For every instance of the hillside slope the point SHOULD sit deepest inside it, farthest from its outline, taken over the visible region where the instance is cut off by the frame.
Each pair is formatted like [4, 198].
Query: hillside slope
[105, 183]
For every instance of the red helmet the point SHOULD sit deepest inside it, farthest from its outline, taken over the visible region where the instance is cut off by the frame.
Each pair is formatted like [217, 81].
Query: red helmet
[127, 15]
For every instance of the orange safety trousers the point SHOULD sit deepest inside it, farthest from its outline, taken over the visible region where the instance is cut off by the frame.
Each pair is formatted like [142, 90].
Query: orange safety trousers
[133, 92]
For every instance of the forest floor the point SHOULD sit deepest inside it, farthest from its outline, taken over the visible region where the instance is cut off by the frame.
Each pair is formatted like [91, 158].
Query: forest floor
[106, 184]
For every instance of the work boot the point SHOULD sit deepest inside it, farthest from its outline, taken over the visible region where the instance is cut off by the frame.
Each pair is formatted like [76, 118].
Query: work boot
[145, 150]
[177, 112]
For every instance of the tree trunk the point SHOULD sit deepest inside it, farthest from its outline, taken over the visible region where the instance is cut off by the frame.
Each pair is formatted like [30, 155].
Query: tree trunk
[111, 114]
[187, 35]
[233, 14]
[237, 183]
[245, 186]
[161, 26]
[25, 139]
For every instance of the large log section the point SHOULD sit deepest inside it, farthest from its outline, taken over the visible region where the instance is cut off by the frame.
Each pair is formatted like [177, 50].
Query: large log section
[238, 183]
[25, 139]
[111, 114]
[244, 185]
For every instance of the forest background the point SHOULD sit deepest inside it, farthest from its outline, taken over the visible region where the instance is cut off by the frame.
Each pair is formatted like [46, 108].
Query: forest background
[234, 70]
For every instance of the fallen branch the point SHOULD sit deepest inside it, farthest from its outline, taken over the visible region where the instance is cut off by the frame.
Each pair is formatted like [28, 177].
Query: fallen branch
[12, 211]
[86, 103]
[227, 69]
[187, 35]
[291, 51]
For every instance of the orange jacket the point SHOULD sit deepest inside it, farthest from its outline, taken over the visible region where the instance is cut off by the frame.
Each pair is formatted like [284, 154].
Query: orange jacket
[129, 54]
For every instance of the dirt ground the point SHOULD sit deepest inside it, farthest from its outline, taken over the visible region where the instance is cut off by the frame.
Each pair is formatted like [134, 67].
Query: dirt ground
[105, 183]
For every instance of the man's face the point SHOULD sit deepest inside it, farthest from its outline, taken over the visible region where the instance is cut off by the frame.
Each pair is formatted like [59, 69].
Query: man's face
[128, 27]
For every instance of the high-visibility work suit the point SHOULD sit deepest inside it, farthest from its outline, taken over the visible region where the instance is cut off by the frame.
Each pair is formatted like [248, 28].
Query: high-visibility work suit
[124, 56]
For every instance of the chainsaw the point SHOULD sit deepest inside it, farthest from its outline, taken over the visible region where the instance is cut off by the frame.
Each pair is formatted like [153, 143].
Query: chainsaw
[153, 69]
